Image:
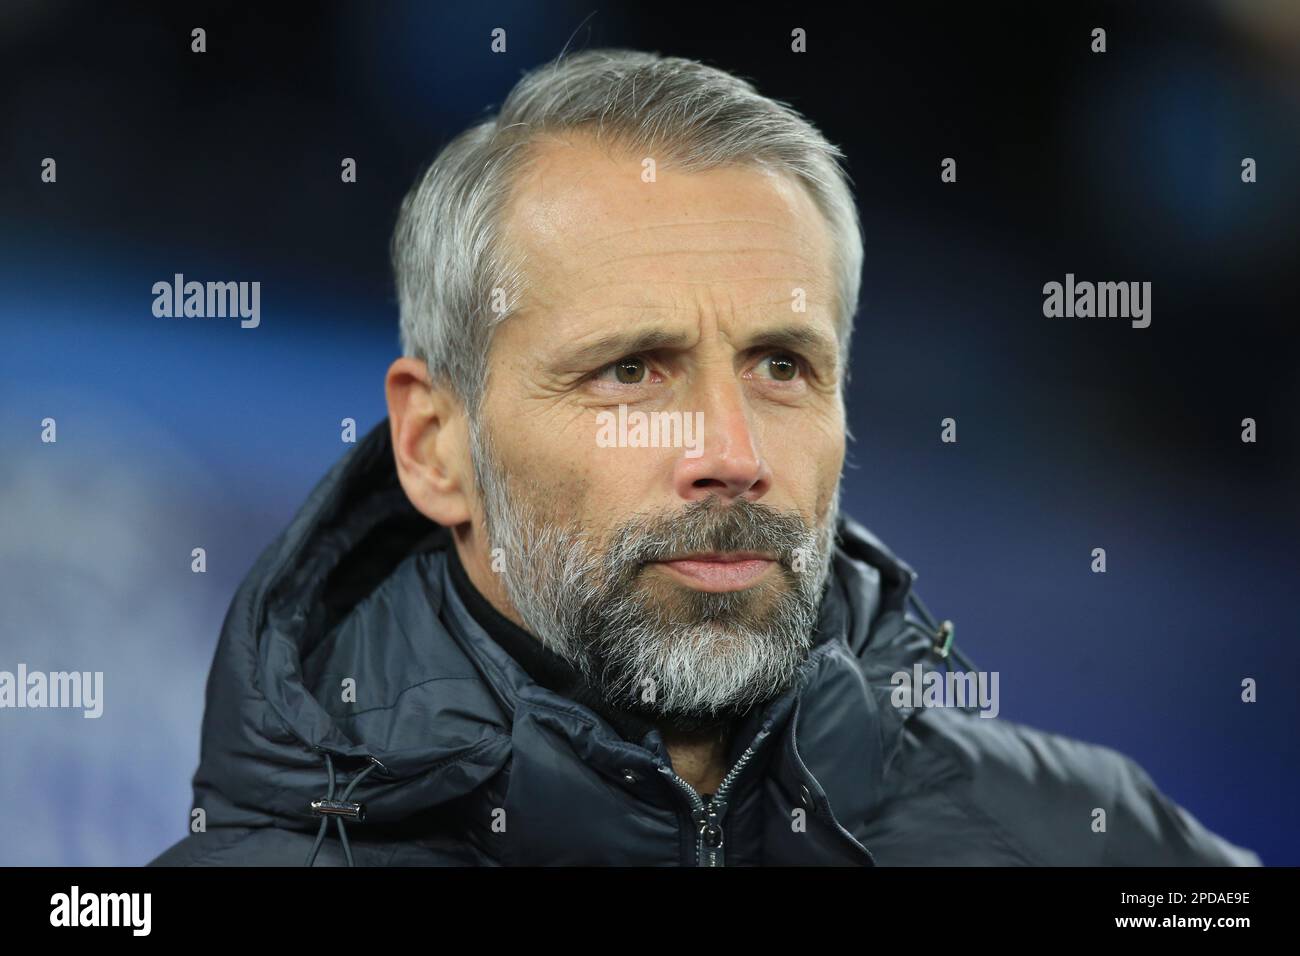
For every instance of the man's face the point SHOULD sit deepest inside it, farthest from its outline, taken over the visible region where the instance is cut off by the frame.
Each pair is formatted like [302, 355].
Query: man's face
[684, 580]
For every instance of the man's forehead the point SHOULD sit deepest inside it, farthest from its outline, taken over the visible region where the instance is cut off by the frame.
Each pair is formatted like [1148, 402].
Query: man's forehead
[586, 220]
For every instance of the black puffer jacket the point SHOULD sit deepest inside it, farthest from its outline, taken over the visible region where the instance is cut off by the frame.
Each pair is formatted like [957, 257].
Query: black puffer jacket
[456, 757]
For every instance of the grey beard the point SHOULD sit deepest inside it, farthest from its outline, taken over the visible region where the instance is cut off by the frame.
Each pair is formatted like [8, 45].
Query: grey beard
[685, 665]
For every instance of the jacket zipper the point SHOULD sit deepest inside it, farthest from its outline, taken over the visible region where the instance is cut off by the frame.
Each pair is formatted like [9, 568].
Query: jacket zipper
[707, 815]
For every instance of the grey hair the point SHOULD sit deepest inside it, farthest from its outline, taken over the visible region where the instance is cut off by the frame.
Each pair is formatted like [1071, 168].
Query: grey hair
[456, 280]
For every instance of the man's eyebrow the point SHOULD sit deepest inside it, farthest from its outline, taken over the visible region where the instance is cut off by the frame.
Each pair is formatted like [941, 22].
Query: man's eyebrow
[796, 338]
[615, 345]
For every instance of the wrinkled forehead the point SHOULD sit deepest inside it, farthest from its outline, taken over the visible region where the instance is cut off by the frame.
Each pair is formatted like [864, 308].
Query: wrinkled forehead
[593, 221]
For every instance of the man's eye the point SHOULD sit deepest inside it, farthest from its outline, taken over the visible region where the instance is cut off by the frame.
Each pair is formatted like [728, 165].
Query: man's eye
[782, 367]
[628, 371]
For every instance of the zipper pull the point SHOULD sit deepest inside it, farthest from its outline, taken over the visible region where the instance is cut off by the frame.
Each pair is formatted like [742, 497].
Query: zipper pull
[709, 821]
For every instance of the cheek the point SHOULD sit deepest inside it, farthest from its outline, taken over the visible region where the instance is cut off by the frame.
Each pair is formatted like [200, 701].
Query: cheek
[832, 471]
[554, 473]
[809, 468]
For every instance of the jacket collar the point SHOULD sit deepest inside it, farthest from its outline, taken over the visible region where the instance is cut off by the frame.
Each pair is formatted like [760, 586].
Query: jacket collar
[823, 746]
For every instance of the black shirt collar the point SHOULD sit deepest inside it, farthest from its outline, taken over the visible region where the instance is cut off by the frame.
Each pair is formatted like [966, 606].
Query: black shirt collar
[542, 664]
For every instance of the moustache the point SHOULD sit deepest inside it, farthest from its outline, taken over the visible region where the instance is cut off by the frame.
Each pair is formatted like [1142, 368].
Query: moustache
[709, 526]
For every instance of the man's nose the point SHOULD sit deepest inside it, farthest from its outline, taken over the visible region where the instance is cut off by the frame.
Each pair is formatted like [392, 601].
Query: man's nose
[730, 463]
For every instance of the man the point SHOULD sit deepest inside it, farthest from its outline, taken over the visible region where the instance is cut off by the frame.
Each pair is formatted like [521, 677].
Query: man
[587, 597]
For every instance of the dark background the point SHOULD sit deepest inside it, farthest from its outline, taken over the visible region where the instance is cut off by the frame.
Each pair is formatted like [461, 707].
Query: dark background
[1073, 433]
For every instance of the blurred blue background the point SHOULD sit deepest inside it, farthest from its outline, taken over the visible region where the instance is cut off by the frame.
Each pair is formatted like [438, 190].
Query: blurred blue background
[1073, 434]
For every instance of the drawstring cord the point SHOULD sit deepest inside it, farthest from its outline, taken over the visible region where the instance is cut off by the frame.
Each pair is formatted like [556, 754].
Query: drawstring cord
[942, 635]
[338, 809]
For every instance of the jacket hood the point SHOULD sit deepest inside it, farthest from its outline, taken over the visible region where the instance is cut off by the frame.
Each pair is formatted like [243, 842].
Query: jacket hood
[336, 645]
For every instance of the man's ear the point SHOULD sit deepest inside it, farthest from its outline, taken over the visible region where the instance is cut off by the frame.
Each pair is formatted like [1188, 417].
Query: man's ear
[430, 443]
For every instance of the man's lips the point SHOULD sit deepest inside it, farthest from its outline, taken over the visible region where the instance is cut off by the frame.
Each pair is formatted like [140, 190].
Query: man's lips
[719, 570]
